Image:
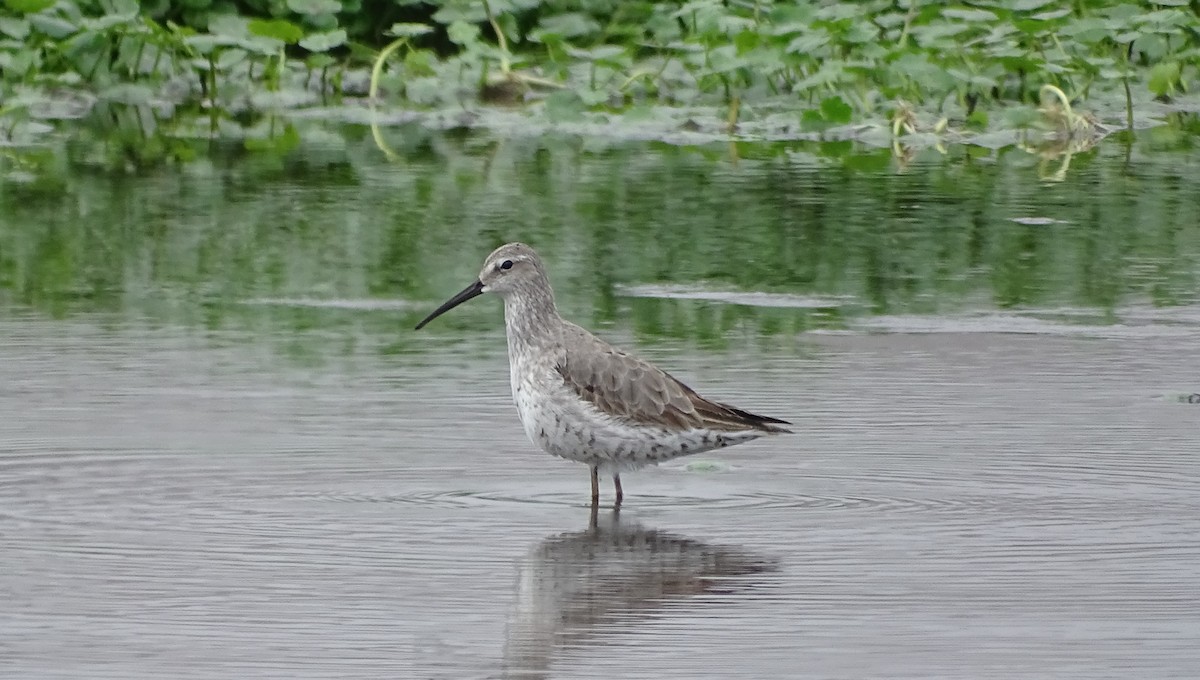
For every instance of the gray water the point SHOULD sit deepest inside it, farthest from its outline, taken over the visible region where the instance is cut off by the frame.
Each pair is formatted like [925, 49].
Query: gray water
[282, 480]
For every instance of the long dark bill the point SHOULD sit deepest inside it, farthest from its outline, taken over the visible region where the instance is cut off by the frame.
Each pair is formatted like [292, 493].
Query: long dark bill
[467, 293]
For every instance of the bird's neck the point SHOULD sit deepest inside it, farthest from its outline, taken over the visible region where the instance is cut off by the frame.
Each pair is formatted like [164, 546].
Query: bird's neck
[532, 323]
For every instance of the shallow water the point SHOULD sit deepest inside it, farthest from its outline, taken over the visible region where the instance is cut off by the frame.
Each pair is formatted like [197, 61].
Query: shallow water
[224, 458]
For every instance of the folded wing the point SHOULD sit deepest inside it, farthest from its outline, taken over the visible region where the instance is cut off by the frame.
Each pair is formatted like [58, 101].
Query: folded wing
[627, 387]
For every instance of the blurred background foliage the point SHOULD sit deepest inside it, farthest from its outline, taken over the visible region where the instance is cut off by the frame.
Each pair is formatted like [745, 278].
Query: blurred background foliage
[823, 62]
[660, 238]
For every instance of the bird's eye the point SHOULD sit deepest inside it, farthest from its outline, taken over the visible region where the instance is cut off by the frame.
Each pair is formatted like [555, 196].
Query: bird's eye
[507, 264]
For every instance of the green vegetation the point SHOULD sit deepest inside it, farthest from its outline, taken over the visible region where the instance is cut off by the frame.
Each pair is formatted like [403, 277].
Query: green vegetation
[927, 70]
[373, 242]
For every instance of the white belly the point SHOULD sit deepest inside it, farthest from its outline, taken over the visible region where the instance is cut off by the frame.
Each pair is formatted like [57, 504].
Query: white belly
[561, 424]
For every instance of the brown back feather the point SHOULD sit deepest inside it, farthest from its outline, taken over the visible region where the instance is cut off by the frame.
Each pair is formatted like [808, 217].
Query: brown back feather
[625, 386]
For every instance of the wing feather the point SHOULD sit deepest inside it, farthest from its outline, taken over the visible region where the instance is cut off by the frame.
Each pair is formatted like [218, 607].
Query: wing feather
[627, 387]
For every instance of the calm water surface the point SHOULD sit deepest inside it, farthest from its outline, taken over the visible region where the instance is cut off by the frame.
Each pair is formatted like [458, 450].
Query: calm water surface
[223, 453]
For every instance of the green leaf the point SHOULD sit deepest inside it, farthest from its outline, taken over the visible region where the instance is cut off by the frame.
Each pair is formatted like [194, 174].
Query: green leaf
[508, 24]
[14, 28]
[808, 42]
[277, 29]
[861, 32]
[106, 22]
[1123, 15]
[319, 60]
[1053, 14]
[28, 6]
[419, 63]
[1163, 77]
[207, 42]
[610, 54]
[323, 42]
[52, 26]
[314, 6]
[1029, 5]
[403, 30]
[969, 14]
[230, 25]
[462, 33]
[1164, 20]
[128, 93]
[321, 22]
[830, 73]
[1088, 31]
[836, 110]
[813, 120]
[282, 143]
[1020, 117]
[230, 58]
[569, 25]
[564, 106]
[746, 41]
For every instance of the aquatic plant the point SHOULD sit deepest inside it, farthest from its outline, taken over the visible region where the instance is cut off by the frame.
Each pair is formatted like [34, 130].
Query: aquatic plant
[752, 67]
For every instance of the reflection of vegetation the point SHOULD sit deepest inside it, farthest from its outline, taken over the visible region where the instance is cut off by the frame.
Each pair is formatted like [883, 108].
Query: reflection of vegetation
[764, 66]
[330, 221]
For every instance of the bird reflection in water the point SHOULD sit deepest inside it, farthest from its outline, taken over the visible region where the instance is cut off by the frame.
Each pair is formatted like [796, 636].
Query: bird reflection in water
[575, 588]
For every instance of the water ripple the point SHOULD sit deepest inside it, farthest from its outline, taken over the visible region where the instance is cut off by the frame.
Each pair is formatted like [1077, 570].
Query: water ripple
[999, 506]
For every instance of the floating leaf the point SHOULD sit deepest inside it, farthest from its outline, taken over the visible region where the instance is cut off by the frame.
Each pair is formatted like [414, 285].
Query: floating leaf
[229, 25]
[206, 43]
[107, 21]
[612, 54]
[462, 33]
[1053, 14]
[861, 32]
[807, 43]
[813, 120]
[128, 93]
[52, 26]
[569, 25]
[1021, 117]
[322, 42]
[455, 12]
[314, 6]
[564, 106]
[403, 30]
[831, 72]
[1122, 15]
[1087, 31]
[231, 58]
[1164, 77]
[420, 63]
[276, 29]
[836, 110]
[28, 6]
[316, 61]
[969, 14]
[14, 28]
[1028, 5]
